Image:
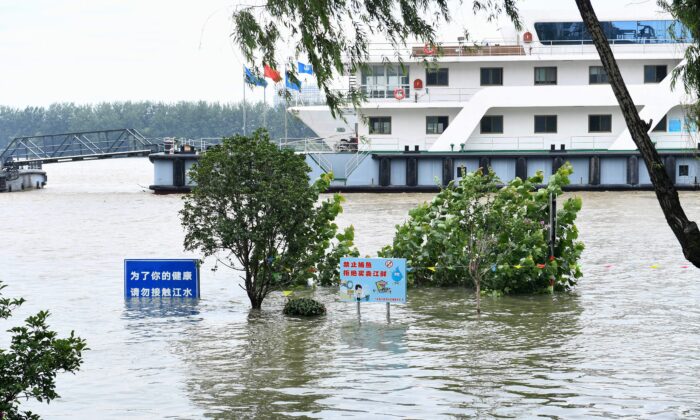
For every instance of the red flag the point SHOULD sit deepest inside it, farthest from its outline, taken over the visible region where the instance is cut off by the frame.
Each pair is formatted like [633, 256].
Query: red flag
[272, 73]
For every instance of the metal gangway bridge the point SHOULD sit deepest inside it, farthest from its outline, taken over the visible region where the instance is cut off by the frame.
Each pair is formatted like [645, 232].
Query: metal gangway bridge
[50, 148]
[32, 152]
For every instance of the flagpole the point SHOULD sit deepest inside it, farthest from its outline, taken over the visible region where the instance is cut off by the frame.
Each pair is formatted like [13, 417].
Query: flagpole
[286, 136]
[265, 107]
[244, 109]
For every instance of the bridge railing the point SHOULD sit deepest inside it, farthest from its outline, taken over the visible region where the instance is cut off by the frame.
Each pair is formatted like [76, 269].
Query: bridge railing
[65, 146]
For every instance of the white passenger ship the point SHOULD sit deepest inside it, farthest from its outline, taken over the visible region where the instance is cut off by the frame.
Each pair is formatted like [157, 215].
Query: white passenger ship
[535, 90]
[527, 101]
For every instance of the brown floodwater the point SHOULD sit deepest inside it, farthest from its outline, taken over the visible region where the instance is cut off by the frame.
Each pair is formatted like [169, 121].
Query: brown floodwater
[624, 344]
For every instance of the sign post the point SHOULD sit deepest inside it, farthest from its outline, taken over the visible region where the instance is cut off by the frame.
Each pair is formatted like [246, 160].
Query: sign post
[161, 279]
[373, 280]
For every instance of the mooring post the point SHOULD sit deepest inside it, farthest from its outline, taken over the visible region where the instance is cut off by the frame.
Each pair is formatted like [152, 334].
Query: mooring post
[388, 312]
[552, 233]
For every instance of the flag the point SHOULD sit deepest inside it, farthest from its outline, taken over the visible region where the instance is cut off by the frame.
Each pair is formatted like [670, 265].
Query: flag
[292, 85]
[305, 68]
[252, 79]
[272, 73]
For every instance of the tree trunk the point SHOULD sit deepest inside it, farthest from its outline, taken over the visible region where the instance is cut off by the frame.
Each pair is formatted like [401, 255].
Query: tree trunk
[478, 296]
[686, 231]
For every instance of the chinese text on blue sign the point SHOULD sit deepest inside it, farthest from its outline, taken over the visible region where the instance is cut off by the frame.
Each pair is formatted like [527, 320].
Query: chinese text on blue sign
[373, 279]
[161, 279]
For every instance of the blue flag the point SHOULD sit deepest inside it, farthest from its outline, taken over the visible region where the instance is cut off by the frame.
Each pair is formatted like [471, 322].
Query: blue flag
[305, 68]
[252, 79]
[292, 85]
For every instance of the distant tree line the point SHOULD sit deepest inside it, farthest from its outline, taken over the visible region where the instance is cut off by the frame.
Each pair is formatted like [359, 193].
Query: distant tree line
[152, 119]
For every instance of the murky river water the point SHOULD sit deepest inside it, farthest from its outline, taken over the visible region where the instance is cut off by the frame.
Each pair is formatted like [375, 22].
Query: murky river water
[625, 344]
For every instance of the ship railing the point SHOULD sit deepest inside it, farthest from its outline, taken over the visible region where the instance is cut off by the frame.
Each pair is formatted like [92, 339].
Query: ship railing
[587, 142]
[586, 47]
[686, 140]
[503, 143]
[314, 147]
[386, 93]
[386, 52]
[364, 147]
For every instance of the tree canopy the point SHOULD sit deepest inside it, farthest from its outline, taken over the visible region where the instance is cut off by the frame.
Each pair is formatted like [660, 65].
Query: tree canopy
[255, 210]
[152, 119]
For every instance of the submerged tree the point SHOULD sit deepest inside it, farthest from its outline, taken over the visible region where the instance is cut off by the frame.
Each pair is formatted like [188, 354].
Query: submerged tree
[474, 233]
[334, 35]
[29, 367]
[254, 209]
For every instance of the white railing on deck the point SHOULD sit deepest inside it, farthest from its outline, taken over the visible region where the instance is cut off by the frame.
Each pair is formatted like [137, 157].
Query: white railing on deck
[453, 50]
[676, 141]
[375, 94]
[503, 143]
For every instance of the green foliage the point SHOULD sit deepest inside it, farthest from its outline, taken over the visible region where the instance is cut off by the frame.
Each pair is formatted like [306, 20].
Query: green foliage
[254, 209]
[303, 307]
[329, 266]
[687, 12]
[152, 119]
[334, 36]
[29, 367]
[436, 238]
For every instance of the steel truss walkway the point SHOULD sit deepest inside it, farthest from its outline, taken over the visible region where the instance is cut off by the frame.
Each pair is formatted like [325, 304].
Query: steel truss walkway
[76, 146]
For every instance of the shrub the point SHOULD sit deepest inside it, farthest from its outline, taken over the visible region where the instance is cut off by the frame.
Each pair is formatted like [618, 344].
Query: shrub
[512, 224]
[35, 356]
[303, 307]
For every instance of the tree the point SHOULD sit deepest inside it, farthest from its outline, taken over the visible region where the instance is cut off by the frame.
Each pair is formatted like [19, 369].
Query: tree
[686, 231]
[473, 233]
[480, 224]
[688, 13]
[153, 119]
[327, 31]
[29, 367]
[254, 209]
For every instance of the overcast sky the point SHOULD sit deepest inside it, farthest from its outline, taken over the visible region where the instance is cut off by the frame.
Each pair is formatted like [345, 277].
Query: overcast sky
[88, 51]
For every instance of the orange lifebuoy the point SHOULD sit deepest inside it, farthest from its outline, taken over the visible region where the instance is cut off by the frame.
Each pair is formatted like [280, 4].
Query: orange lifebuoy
[428, 49]
[399, 93]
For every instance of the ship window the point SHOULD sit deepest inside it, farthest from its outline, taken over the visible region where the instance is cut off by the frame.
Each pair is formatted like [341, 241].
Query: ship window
[491, 76]
[545, 75]
[597, 75]
[654, 74]
[661, 126]
[616, 32]
[437, 77]
[436, 125]
[545, 123]
[379, 125]
[599, 123]
[492, 124]
[682, 170]
[379, 81]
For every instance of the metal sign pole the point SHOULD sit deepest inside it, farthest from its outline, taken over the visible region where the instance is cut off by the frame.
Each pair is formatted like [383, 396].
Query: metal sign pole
[359, 316]
[388, 312]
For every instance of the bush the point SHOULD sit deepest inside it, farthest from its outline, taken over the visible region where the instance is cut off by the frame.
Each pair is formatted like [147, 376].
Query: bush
[35, 356]
[512, 220]
[303, 307]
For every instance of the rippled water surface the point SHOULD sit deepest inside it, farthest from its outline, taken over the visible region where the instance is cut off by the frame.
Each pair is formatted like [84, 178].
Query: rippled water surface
[625, 344]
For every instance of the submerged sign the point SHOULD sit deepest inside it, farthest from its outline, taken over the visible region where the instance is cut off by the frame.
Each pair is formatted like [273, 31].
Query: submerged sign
[161, 279]
[373, 279]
